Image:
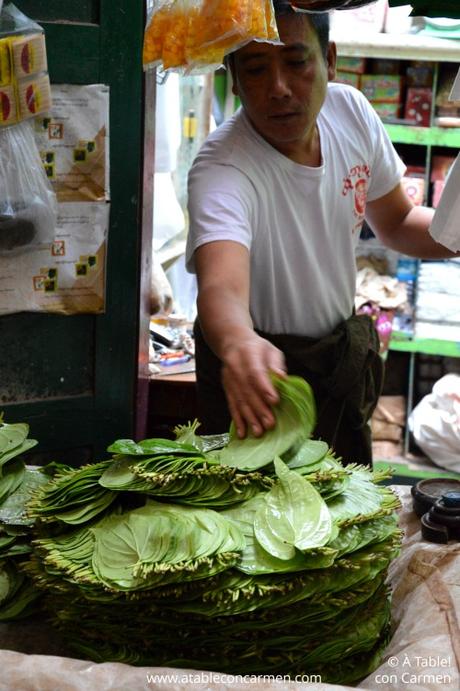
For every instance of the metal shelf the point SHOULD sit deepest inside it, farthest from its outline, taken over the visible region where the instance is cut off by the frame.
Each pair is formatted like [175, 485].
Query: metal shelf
[429, 136]
[398, 46]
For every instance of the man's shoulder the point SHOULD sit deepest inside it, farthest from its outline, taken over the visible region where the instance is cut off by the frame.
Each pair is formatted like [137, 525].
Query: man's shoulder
[228, 145]
[348, 107]
[225, 136]
[345, 95]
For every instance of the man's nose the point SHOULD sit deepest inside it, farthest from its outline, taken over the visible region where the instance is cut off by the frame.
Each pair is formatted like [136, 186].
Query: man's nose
[279, 83]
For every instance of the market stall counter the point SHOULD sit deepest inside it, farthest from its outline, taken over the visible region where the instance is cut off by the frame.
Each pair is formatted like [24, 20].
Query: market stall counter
[423, 655]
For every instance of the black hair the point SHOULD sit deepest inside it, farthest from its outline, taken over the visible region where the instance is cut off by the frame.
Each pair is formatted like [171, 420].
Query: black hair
[318, 20]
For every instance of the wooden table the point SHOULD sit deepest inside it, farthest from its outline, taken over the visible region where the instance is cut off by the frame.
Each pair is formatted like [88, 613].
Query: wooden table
[172, 401]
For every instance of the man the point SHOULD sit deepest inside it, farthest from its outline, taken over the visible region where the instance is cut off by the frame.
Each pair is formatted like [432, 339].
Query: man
[277, 198]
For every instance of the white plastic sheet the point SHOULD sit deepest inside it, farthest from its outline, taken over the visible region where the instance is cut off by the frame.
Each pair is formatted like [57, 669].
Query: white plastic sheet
[435, 423]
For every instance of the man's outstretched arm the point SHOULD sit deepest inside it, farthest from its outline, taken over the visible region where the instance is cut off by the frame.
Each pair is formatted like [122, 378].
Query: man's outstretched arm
[403, 227]
[222, 269]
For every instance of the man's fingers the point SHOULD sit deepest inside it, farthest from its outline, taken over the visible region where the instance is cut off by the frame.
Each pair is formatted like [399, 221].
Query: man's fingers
[250, 391]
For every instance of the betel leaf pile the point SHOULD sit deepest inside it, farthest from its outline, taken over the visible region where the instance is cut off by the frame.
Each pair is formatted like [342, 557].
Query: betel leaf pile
[198, 553]
[18, 596]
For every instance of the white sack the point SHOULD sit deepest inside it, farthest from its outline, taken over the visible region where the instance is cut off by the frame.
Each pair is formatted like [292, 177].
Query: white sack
[435, 423]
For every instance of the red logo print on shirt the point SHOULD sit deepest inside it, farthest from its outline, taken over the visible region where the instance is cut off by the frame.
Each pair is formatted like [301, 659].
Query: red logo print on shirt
[357, 183]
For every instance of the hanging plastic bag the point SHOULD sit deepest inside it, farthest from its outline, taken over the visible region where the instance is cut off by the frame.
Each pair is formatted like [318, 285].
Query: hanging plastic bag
[28, 206]
[435, 423]
[195, 35]
[166, 34]
[222, 26]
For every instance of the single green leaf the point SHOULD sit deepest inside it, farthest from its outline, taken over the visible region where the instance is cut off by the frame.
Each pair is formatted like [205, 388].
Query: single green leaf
[295, 419]
[293, 515]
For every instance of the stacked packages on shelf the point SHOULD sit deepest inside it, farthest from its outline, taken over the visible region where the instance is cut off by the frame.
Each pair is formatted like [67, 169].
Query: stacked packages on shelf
[254, 556]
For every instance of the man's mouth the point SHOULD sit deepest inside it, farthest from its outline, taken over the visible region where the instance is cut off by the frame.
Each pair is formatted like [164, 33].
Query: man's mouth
[283, 116]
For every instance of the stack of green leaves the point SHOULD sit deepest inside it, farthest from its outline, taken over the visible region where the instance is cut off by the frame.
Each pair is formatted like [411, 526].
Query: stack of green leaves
[17, 483]
[279, 567]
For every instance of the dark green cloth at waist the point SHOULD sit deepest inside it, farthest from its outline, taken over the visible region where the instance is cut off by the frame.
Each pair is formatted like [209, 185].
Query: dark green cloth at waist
[344, 370]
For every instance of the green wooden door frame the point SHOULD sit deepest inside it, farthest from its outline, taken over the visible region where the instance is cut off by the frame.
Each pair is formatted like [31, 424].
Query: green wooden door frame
[74, 378]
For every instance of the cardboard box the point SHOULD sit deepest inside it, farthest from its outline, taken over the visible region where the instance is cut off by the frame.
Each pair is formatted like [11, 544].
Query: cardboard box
[386, 66]
[349, 64]
[418, 106]
[350, 78]
[387, 110]
[420, 74]
[382, 88]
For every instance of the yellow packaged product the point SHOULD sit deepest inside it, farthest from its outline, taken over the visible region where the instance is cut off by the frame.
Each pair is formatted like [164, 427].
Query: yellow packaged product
[8, 105]
[220, 27]
[175, 40]
[29, 55]
[157, 28]
[222, 24]
[197, 54]
[5, 62]
[34, 96]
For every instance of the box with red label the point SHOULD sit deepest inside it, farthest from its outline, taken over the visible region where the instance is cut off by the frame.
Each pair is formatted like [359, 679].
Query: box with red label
[415, 189]
[418, 105]
[382, 88]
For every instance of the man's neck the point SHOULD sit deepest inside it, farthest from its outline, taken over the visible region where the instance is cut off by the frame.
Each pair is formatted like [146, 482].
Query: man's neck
[306, 153]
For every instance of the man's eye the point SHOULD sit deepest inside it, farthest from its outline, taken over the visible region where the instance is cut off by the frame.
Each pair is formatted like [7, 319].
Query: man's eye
[254, 70]
[297, 62]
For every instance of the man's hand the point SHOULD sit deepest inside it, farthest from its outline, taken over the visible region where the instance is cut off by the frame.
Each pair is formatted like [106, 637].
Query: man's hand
[247, 365]
[223, 307]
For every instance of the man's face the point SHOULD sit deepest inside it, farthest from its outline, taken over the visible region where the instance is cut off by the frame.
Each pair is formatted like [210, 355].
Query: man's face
[282, 87]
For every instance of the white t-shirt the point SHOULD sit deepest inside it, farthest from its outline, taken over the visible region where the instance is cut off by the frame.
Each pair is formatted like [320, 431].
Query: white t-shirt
[300, 224]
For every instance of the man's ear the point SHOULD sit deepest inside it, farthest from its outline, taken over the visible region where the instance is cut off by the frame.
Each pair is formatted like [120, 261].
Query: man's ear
[230, 62]
[331, 60]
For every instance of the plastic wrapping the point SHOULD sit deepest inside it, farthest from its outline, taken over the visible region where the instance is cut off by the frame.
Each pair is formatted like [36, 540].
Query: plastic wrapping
[28, 207]
[435, 423]
[195, 35]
